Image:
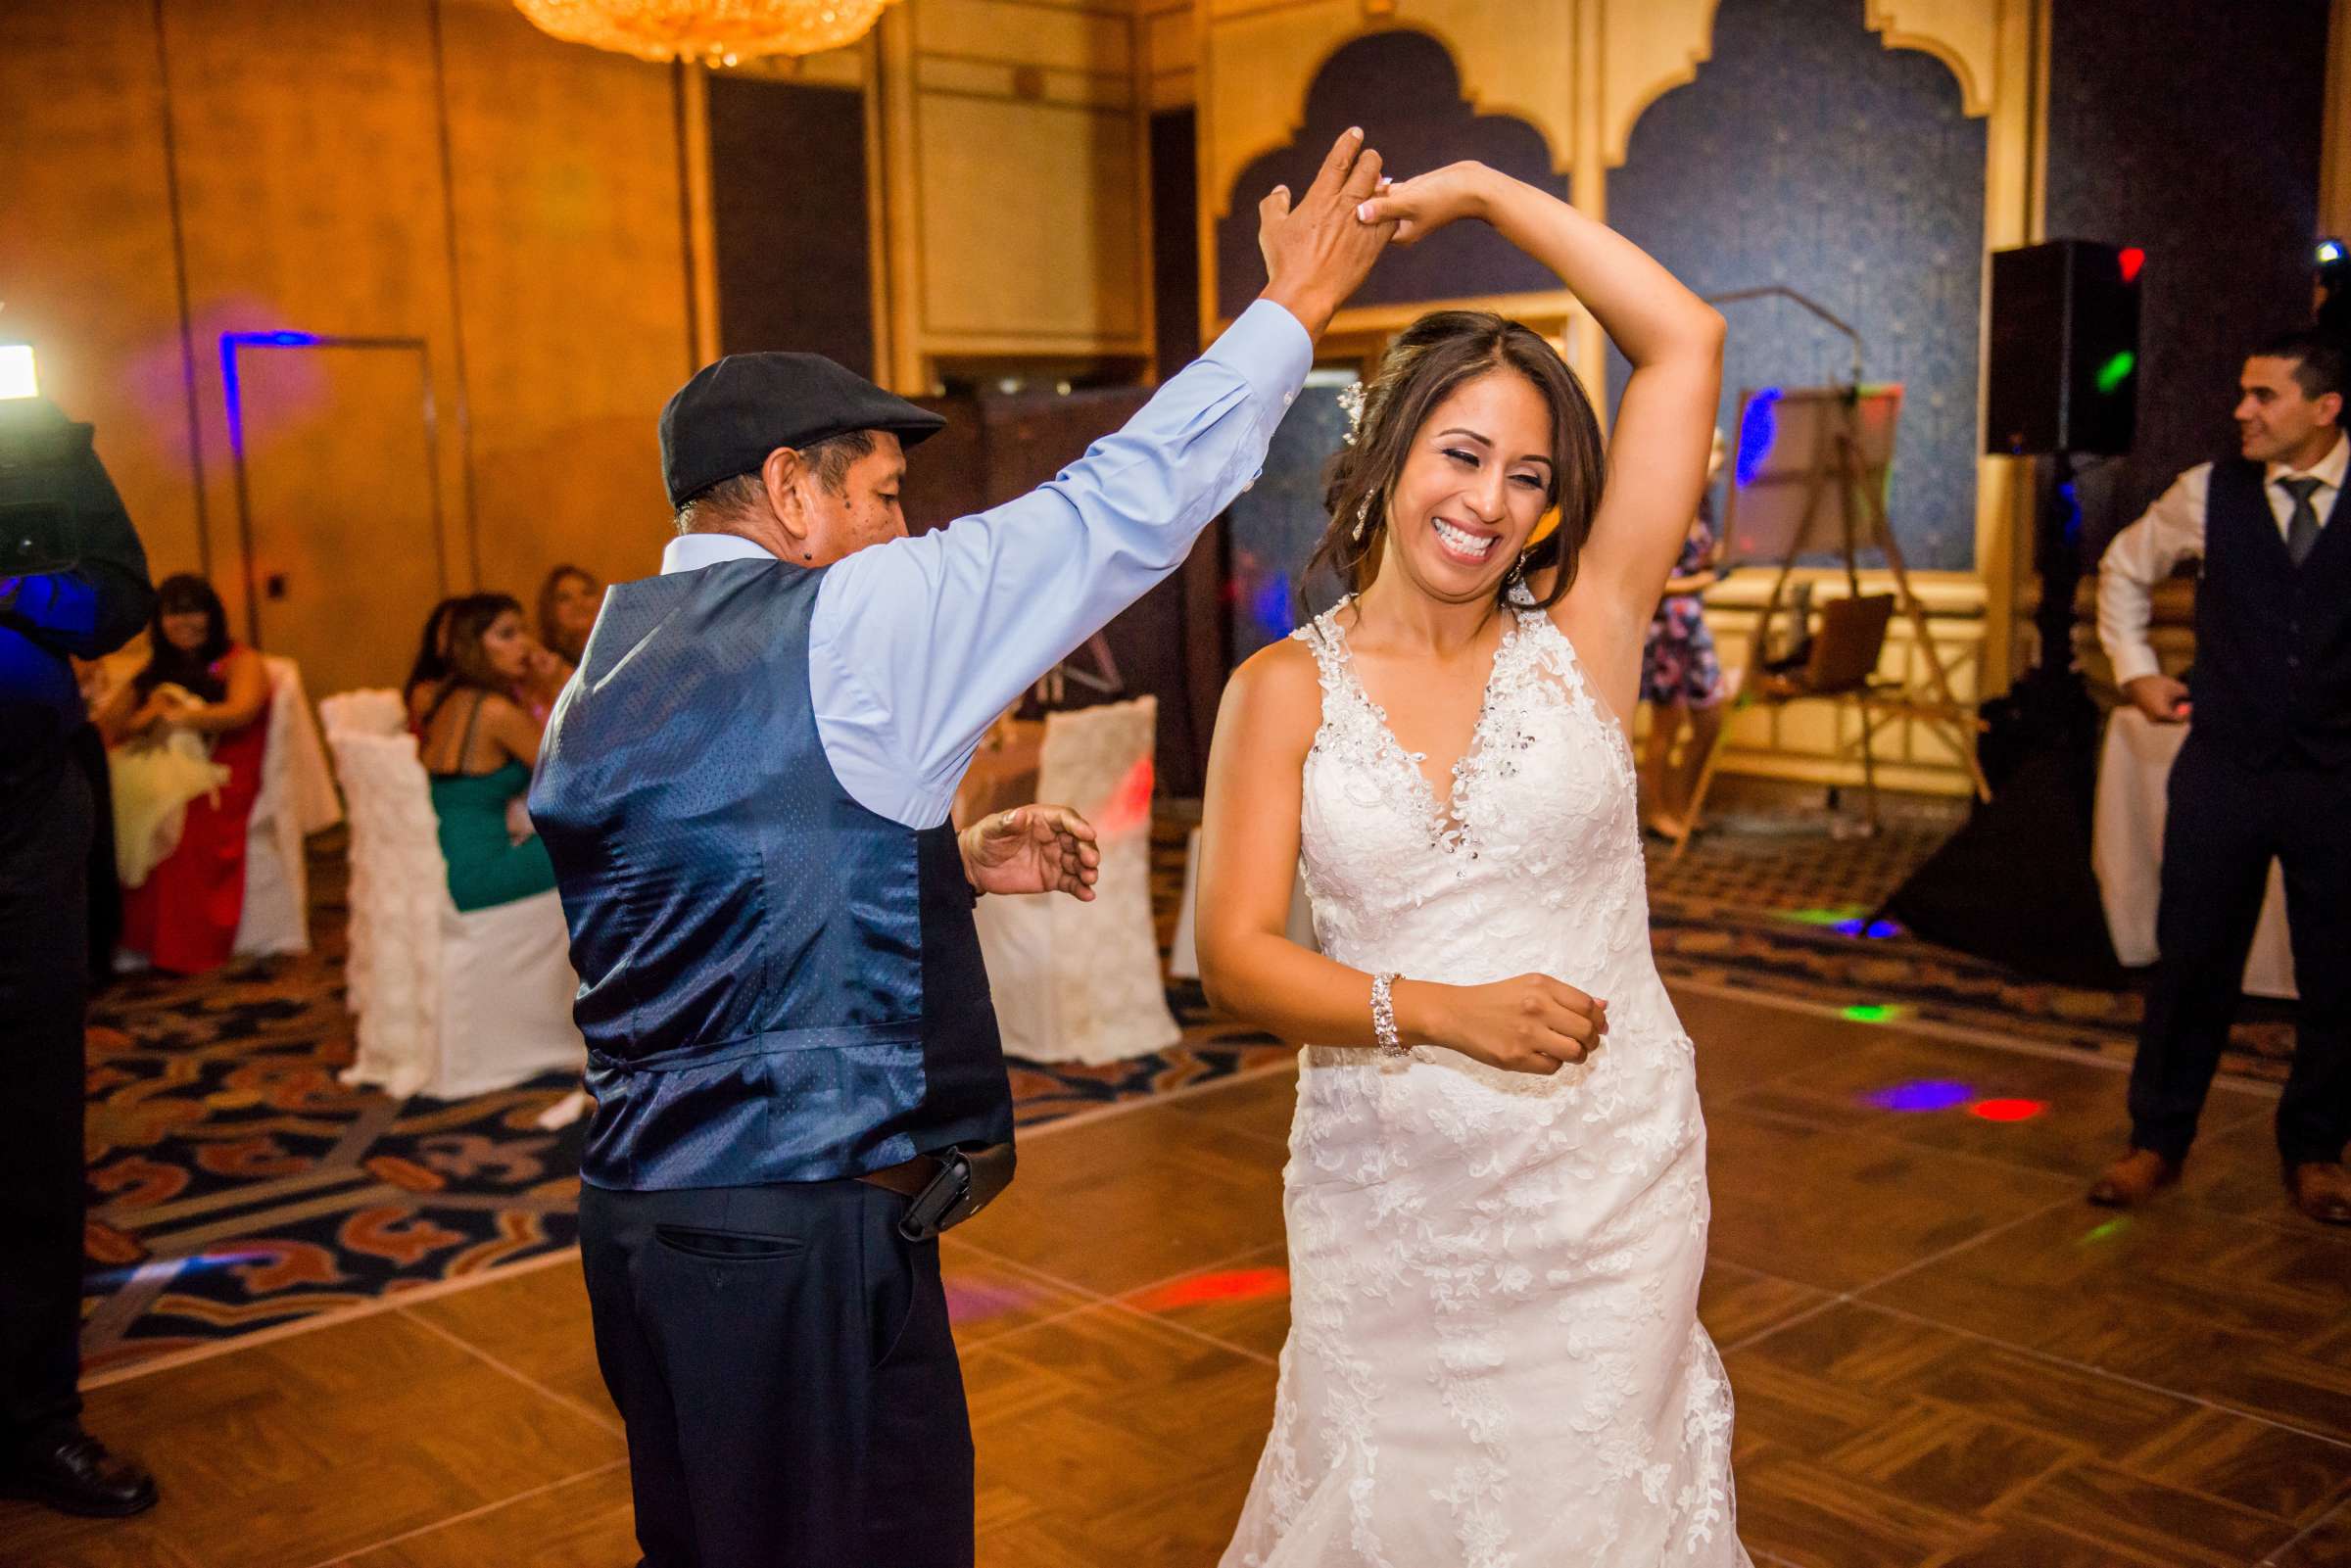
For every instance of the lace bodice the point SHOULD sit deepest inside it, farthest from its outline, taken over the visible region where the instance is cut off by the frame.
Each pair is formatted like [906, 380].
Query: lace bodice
[1533, 863]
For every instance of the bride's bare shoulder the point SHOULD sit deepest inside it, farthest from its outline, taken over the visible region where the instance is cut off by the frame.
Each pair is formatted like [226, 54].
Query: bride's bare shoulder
[1274, 699]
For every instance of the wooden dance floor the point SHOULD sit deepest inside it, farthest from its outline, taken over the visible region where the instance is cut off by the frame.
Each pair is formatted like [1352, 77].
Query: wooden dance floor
[1941, 1356]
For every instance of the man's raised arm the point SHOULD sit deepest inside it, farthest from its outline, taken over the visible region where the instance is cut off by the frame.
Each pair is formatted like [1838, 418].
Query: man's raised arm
[919, 643]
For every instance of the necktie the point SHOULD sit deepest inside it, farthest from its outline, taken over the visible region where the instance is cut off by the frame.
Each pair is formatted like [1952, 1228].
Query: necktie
[2302, 529]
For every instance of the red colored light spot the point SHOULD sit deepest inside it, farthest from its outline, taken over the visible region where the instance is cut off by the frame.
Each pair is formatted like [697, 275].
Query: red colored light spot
[2007, 1110]
[1130, 805]
[1231, 1285]
[2133, 259]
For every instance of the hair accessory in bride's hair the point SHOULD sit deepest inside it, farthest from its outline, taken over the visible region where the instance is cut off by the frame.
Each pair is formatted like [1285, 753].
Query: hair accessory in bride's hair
[1351, 399]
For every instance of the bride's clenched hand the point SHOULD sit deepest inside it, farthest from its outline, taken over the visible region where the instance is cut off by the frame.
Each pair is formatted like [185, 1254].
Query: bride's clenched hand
[1424, 204]
[1533, 1023]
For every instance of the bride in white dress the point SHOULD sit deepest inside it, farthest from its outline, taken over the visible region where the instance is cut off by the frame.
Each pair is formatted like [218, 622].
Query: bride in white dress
[1496, 1191]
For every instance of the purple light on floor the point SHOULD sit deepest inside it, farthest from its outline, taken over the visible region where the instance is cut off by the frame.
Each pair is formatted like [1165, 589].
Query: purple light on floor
[968, 1303]
[1922, 1094]
[1877, 931]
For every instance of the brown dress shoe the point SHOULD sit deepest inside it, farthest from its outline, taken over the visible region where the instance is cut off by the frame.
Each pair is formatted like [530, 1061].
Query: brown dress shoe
[2322, 1190]
[2133, 1179]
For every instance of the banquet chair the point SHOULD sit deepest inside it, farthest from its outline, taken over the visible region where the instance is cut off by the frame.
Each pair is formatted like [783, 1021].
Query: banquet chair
[1081, 982]
[1840, 666]
[297, 798]
[448, 1004]
[1183, 953]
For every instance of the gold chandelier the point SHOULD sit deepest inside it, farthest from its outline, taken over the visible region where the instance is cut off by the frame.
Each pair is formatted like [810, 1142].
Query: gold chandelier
[714, 32]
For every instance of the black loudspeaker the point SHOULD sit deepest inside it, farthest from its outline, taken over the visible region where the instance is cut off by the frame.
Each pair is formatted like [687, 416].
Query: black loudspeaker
[2064, 368]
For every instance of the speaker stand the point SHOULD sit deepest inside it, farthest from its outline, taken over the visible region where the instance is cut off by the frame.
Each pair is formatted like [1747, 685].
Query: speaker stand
[2015, 885]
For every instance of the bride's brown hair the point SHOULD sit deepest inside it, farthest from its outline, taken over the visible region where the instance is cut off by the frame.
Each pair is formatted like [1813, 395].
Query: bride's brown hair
[1427, 364]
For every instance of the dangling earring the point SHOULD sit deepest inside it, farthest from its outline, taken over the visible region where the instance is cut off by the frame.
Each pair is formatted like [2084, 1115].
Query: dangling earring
[1363, 520]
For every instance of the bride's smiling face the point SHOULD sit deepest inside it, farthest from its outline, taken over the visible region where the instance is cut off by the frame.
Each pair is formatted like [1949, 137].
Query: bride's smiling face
[1474, 483]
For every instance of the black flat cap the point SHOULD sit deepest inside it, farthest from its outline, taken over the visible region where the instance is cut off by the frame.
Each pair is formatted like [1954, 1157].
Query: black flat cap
[732, 414]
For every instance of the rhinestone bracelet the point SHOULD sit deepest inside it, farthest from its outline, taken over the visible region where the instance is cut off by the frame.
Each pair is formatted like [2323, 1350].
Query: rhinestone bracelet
[1383, 1018]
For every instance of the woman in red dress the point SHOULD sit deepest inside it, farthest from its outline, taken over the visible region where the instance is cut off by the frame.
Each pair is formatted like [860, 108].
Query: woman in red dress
[184, 918]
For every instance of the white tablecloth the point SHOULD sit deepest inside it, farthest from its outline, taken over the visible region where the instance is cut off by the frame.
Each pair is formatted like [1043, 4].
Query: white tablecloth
[2127, 847]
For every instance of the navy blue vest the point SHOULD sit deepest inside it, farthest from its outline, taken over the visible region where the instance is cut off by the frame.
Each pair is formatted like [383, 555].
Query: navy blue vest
[2273, 675]
[776, 984]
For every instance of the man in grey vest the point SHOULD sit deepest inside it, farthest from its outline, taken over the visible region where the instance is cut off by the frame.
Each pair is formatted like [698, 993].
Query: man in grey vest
[745, 792]
[2264, 773]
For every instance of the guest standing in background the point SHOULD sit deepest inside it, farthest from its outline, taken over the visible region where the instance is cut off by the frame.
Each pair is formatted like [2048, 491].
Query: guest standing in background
[2264, 773]
[567, 604]
[1681, 676]
[182, 918]
[480, 744]
[82, 595]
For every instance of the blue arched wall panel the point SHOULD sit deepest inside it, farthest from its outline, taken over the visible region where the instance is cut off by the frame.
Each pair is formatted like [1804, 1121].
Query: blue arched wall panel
[1808, 153]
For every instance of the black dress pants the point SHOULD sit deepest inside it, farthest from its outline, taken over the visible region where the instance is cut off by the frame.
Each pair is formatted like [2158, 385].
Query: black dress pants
[783, 1360]
[45, 818]
[2227, 820]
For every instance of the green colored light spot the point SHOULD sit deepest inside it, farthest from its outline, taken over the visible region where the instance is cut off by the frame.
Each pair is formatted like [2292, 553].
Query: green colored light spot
[2116, 370]
[1825, 917]
[1872, 1013]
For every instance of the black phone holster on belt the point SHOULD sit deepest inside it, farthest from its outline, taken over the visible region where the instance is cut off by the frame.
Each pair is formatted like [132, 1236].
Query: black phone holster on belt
[968, 1180]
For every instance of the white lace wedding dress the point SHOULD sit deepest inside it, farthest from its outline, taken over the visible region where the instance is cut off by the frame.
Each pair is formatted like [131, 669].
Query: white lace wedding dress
[1493, 1358]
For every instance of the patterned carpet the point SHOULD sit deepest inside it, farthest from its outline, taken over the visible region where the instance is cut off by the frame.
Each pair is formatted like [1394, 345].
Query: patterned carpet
[236, 1185]
[1782, 904]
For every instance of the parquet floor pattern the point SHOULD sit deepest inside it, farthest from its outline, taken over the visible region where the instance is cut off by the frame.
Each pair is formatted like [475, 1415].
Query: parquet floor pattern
[1941, 1356]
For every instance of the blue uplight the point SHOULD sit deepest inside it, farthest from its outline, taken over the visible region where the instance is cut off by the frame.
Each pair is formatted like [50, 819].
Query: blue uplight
[1272, 607]
[1756, 432]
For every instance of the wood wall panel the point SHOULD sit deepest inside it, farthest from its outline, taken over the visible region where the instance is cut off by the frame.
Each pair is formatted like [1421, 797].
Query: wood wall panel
[309, 153]
[565, 186]
[1025, 32]
[1013, 143]
[2334, 178]
[308, 156]
[1055, 254]
[86, 269]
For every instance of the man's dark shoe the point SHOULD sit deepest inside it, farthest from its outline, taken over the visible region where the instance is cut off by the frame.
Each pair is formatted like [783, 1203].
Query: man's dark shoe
[2133, 1179]
[2322, 1189]
[72, 1473]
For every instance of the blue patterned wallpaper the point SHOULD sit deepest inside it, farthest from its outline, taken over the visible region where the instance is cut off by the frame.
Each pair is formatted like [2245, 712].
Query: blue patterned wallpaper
[1808, 154]
[2208, 158]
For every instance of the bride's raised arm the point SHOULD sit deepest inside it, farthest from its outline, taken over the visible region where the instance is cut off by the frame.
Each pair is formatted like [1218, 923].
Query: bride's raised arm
[1657, 448]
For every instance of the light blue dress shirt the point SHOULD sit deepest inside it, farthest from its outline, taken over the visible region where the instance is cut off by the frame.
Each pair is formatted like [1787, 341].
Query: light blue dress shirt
[917, 645]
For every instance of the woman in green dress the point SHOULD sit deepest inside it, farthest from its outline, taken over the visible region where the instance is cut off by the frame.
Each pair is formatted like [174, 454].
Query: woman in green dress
[479, 746]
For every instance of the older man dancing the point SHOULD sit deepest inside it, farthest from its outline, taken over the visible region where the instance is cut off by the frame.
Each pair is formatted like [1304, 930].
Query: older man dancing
[745, 791]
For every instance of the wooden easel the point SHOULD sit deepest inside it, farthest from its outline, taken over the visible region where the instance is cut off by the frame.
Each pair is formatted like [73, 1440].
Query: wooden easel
[1842, 470]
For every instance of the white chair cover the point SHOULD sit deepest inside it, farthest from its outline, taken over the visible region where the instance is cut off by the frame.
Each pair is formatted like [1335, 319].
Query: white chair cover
[447, 1004]
[297, 798]
[1183, 953]
[2134, 766]
[1081, 982]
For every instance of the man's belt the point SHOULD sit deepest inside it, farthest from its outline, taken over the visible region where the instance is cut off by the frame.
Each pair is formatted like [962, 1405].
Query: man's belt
[945, 1189]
